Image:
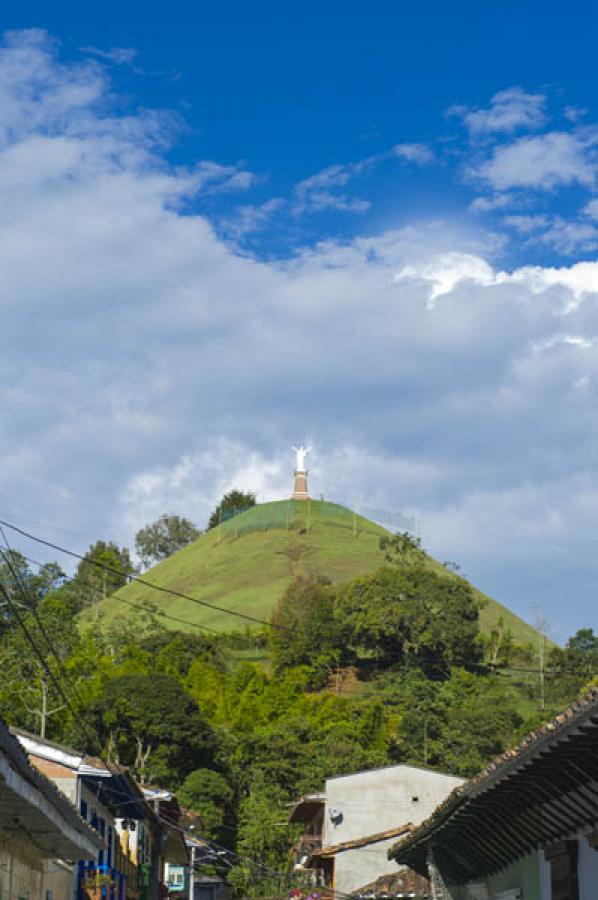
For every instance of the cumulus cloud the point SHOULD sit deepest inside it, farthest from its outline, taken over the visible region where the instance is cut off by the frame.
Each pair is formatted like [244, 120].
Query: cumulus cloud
[510, 110]
[146, 366]
[540, 162]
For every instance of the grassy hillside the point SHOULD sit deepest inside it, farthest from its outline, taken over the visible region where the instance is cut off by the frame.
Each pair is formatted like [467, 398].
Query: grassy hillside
[246, 564]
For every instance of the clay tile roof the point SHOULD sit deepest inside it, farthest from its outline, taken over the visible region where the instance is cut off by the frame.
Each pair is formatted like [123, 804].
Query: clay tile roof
[540, 741]
[333, 849]
[405, 883]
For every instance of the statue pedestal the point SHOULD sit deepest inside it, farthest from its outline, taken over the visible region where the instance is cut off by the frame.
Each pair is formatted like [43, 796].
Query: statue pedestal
[300, 489]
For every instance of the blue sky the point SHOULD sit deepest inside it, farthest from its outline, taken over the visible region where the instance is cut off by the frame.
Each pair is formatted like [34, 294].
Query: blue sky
[230, 229]
[287, 93]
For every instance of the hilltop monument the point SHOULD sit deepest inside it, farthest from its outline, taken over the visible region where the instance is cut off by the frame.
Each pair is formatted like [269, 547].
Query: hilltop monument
[300, 489]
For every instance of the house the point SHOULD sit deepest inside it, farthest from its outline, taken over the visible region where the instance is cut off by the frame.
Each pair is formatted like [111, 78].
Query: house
[40, 830]
[137, 827]
[170, 843]
[206, 885]
[351, 825]
[526, 827]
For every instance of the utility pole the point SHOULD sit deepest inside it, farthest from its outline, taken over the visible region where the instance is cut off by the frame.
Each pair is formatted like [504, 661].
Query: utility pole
[542, 629]
[44, 710]
[191, 871]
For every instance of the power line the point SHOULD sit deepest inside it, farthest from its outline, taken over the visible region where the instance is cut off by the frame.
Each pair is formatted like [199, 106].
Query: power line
[366, 693]
[77, 580]
[488, 667]
[142, 581]
[218, 847]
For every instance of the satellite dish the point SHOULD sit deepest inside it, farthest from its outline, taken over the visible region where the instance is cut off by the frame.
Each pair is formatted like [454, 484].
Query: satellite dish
[336, 816]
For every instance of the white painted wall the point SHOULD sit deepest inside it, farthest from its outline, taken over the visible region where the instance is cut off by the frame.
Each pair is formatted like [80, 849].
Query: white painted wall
[356, 868]
[382, 799]
[376, 801]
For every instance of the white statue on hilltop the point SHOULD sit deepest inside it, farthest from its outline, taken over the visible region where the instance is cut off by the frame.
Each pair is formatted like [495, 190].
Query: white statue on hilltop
[301, 454]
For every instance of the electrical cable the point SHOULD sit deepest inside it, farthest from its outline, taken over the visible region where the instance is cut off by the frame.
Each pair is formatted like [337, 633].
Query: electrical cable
[490, 668]
[469, 663]
[76, 579]
[143, 581]
[218, 847]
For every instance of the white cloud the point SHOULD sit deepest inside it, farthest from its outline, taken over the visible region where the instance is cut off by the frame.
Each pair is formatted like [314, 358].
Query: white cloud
[510, 110]
[540, 162]
[567, 236]
[251, 218]
[415, 153]
[316, 193]
[489, 204]
[118, 55]
[146, 366]
[217, 178]
[527, 224]
[591, 209]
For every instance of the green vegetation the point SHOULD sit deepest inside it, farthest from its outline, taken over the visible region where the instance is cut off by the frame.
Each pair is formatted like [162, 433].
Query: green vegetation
[233, 503]
[377, 655]
[162, 538]
[248, 562]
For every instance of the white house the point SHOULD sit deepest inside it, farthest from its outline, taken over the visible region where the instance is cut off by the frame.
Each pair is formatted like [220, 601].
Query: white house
[352, 824]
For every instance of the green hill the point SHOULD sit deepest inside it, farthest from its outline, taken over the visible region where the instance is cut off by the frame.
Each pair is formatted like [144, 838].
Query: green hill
[246, 564]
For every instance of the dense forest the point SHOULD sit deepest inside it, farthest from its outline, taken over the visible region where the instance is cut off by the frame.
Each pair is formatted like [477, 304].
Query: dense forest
[390, 667]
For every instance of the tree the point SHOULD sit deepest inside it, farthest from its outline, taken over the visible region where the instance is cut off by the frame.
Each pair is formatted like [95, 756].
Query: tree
[402, 549]
[572, 667]
[28, 694]
[264, 835]
[23, 584]
[305, 630]
[209, 793]
[233, 502]
[165, 536]
[412, 614]
[103, 570]
[148, 722]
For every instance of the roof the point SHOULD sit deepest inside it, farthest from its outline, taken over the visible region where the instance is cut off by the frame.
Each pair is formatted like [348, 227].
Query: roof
[307, 806]
[62, 754]
[168, 813]
[119, 791]
[400, 766]
[31, 804]
[333, 849]
[405, 883]
[530, 796]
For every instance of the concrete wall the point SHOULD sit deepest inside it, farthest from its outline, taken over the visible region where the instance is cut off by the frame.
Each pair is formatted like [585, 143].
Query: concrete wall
[376, 801]
[21, 869]
[356, 868]
[57, 881]
[381, 799]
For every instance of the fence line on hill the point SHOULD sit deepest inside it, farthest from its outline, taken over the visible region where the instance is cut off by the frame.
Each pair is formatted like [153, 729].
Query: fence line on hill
[303, 515]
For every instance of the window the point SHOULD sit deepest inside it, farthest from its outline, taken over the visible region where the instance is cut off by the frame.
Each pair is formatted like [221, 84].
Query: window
[84, 808]
[562, 858]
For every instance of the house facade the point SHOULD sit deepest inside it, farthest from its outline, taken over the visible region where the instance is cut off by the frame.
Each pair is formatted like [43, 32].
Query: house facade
[526, 828]
[40, 830]
[350, 827]
[137, 827]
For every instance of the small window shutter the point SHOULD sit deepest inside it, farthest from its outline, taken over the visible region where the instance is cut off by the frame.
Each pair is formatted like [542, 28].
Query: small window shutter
[563, 870]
